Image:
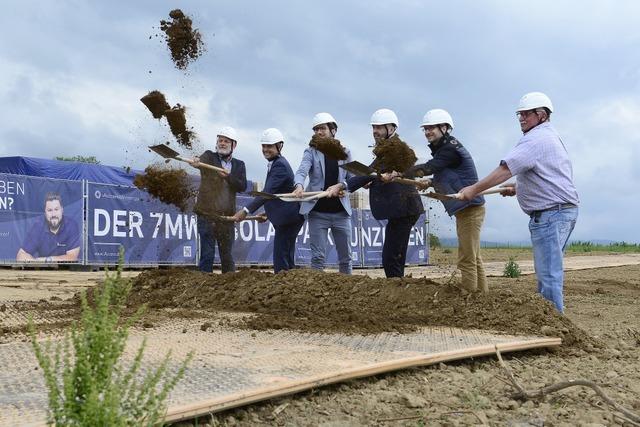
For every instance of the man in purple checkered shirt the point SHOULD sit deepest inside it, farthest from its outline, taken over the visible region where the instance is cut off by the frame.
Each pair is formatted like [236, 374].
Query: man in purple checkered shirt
[545, 191]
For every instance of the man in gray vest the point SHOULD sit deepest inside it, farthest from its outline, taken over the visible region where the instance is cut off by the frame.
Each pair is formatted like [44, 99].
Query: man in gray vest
[453, 168]
[545, 190]
[217, 197]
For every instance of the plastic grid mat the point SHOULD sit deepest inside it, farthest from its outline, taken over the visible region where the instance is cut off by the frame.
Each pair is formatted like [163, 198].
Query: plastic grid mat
[234, 367]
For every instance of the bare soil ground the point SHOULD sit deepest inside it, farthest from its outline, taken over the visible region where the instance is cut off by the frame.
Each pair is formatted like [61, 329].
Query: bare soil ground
[601, 332]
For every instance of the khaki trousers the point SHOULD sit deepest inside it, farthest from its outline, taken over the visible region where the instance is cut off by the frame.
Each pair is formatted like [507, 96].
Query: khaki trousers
[468, 225]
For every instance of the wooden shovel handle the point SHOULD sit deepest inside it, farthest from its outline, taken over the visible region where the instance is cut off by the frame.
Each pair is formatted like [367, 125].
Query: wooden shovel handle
[201, 165]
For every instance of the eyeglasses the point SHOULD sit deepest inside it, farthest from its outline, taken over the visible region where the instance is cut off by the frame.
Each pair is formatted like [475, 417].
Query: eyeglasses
[524, 114]
[427, 128]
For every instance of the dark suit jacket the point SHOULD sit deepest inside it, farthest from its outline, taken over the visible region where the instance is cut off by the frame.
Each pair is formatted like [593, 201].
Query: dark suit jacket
[390, 200]
[217, 195]
[279, 180]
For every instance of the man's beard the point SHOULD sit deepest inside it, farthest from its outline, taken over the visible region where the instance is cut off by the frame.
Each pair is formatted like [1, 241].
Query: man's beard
[224, 153]
[52, 226]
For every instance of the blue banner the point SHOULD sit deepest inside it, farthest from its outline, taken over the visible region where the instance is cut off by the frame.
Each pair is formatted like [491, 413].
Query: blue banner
[41, 220]
[150, 231]
[373, 235]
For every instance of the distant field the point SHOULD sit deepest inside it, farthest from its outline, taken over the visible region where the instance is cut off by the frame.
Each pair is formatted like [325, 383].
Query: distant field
[444, 255]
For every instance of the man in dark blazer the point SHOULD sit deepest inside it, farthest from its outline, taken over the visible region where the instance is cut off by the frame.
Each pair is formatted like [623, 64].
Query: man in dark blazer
[399, 204]
[217, 197]
[284, 216]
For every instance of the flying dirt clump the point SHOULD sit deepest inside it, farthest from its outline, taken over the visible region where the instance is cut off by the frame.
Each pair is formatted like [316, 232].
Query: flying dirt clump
[178, 125]
[156, 103]
[393, 154]
[330, 147]
[172, 186]
[184, 42]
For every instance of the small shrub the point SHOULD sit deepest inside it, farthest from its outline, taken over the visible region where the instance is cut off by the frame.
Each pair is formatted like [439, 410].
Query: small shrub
[434, 241]
[446, 251]
[511, 268]
[86, 380]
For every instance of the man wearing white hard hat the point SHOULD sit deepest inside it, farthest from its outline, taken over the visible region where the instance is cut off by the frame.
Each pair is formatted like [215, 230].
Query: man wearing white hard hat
[217, 197]
[328, 213]
[453, 168]
[399, 204]
[544, 188]
[284, 216]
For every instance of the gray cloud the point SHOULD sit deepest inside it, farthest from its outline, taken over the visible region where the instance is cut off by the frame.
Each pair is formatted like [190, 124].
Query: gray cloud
[73, 73]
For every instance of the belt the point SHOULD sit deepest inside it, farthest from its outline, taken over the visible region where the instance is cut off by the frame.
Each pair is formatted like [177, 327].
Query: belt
[558, 207]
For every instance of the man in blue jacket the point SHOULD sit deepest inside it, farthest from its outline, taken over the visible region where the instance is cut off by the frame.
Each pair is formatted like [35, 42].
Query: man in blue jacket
[327, 213]
[399, 204]
[453, 168]
[284, 216]
[217, 197]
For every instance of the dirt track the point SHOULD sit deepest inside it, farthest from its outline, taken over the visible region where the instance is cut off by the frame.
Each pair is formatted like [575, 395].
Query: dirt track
[603, 302]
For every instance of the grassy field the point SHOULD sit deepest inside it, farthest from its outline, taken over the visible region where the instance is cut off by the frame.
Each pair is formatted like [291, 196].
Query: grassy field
[449, 255]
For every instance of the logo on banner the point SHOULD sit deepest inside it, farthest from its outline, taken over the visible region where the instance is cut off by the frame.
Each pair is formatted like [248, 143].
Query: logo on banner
[186, 251]
[97, 194]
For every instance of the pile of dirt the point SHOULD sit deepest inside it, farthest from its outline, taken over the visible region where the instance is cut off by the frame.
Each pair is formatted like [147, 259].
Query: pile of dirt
[393, 154]
[172, 186]
[330, 147]
[312, 301]
[184, 42]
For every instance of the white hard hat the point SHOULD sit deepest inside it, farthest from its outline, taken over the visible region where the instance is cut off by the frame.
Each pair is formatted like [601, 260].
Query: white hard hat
[322, 118]
[229, 132]
[437, 116]
[534, 100]
[384, 116]
[271, 136]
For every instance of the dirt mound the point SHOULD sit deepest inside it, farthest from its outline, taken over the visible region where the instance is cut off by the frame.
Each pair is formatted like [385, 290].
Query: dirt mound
[156, 103]
[313, 301]
[330, 147]
[393, 154]
[184, 42]
[172, 186]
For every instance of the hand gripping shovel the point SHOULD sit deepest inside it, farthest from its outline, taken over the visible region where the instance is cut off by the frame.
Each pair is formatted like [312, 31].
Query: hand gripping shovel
[169, 153]
[360, 169]
[458, 196]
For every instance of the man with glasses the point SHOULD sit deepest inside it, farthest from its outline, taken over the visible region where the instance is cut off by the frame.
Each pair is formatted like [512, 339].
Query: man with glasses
[452, 168]
[545, 191]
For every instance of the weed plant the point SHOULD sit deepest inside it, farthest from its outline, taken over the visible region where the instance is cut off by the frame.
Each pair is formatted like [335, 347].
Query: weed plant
[88, 383]
[511, 268]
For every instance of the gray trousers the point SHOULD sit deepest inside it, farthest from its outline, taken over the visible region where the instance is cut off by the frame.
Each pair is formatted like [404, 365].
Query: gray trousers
[340, 225]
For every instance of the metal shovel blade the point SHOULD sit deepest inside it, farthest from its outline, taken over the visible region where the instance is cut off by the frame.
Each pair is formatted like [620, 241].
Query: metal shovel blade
[439, 196]
[357, 168]
[165, 151]
[263, 195]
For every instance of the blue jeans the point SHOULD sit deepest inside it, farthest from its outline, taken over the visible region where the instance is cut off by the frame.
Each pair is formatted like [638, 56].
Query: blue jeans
[550, 231]
[340, 225]
[211, 232]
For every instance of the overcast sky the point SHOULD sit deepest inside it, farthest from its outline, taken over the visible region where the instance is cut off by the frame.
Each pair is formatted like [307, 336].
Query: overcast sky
[73, 72]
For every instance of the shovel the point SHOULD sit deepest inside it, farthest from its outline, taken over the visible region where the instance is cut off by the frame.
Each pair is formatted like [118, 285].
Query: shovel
[224, 218]
[290, 197]
[360, 169]
[169, 153]
[457, 196]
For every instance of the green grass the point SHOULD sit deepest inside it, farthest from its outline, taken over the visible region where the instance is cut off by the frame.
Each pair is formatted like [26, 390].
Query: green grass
[579, 246]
